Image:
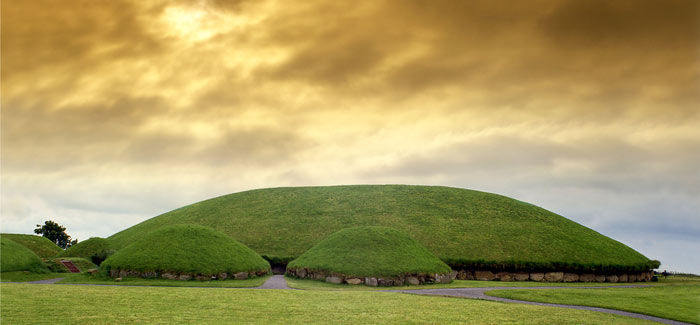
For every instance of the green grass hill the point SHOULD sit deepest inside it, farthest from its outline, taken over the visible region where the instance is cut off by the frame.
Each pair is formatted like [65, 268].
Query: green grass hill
[41, 246]
[16, 257]
[186, 249]
[369, 252]
[95, 248]
[461, 227]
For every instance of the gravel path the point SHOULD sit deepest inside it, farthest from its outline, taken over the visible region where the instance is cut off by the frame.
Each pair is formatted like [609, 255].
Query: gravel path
[479, 293]
[275, 282]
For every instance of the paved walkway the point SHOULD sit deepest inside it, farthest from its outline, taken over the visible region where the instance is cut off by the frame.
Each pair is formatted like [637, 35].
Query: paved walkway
[479, 293]
[275, 282]
[48, 281]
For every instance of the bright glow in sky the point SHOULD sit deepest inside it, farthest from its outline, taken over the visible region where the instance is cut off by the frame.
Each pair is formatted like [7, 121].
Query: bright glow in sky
[114, 112]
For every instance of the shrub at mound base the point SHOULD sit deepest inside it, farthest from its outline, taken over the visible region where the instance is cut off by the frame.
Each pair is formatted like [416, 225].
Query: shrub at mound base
[16, 257]
[95, 249]
[185, 252]
[370, 255]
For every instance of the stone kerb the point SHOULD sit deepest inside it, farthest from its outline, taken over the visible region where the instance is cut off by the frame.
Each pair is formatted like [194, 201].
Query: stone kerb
[484, 275]
[376, 281]
[185, 276]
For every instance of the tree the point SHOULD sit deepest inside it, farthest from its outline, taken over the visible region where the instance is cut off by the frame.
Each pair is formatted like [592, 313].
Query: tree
[55, 233]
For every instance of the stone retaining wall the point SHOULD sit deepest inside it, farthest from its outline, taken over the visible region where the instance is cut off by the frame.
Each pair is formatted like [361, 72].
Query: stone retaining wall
[185, 276]
[404, 279]
[552, 276]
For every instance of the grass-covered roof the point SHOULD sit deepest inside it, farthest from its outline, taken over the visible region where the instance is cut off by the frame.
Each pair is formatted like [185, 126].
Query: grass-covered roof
[16, 257]
[186, 249]
[40, 245]
[457, 225]
[370, 251]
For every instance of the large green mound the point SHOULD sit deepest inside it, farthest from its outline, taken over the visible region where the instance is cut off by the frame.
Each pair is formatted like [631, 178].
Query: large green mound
[462, 227]
[41, 246]
[370, 252]
[186, 249]
[16, 257]
[95, 249]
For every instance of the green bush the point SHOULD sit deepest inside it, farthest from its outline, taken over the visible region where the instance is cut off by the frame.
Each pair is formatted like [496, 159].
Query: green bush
[95, 249]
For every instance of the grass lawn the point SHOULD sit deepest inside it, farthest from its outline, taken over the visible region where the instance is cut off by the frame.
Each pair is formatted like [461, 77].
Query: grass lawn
[675, 301]
[21, 276]
[98, 279]
[306, 284]
[41, 246]
[29, 304]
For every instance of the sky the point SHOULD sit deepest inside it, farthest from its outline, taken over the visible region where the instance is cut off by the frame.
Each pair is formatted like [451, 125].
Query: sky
[113, 112]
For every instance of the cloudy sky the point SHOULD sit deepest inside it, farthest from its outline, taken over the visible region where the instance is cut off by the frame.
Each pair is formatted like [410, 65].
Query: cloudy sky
[116, 111]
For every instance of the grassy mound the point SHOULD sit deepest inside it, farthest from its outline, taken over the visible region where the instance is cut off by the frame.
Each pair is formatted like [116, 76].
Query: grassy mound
[462, 227]
[16, 257]
[186, 249]
[95, 249]
[370, 252]
[41, 246]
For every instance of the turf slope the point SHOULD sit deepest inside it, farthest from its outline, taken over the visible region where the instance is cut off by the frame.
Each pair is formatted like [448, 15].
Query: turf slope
[457, 225]
[369, 252]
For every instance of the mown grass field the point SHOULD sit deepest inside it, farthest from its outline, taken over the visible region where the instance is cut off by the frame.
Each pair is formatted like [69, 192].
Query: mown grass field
[88, 248]
[22, 276]
[31, 304]
[370, 251]
[676, 300]
[454, 224]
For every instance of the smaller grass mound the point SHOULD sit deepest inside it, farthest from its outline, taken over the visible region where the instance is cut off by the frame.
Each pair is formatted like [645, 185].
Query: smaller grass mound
[370, 252]
[16, 257]
[95, 249]
[41, 246]
[183, 252]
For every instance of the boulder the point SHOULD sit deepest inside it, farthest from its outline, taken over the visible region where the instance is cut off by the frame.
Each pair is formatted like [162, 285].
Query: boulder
[571, 277]
[599, 278]
[453, 275]
[301, 273]
[521, 276]
[372, 282]
[118, 279]
[385, 282]
[353, 281]
[623, 278]
[169, 276]
[462, 275]
[538, 276]
[318, 276]
[412, 280]
[241, 275]
[123, 273]
[93, 271]
[504, 276]
[611, 278]
[554, 276]
[632, 277]
[443, 278]
[184, 277]
[222, 276]
[586, 277]
[484, 275]
[202, 278]
[334, 279]
[400, 281]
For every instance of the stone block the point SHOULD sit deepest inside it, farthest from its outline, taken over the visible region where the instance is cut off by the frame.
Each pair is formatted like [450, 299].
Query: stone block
[484, 275]
[554, 276]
